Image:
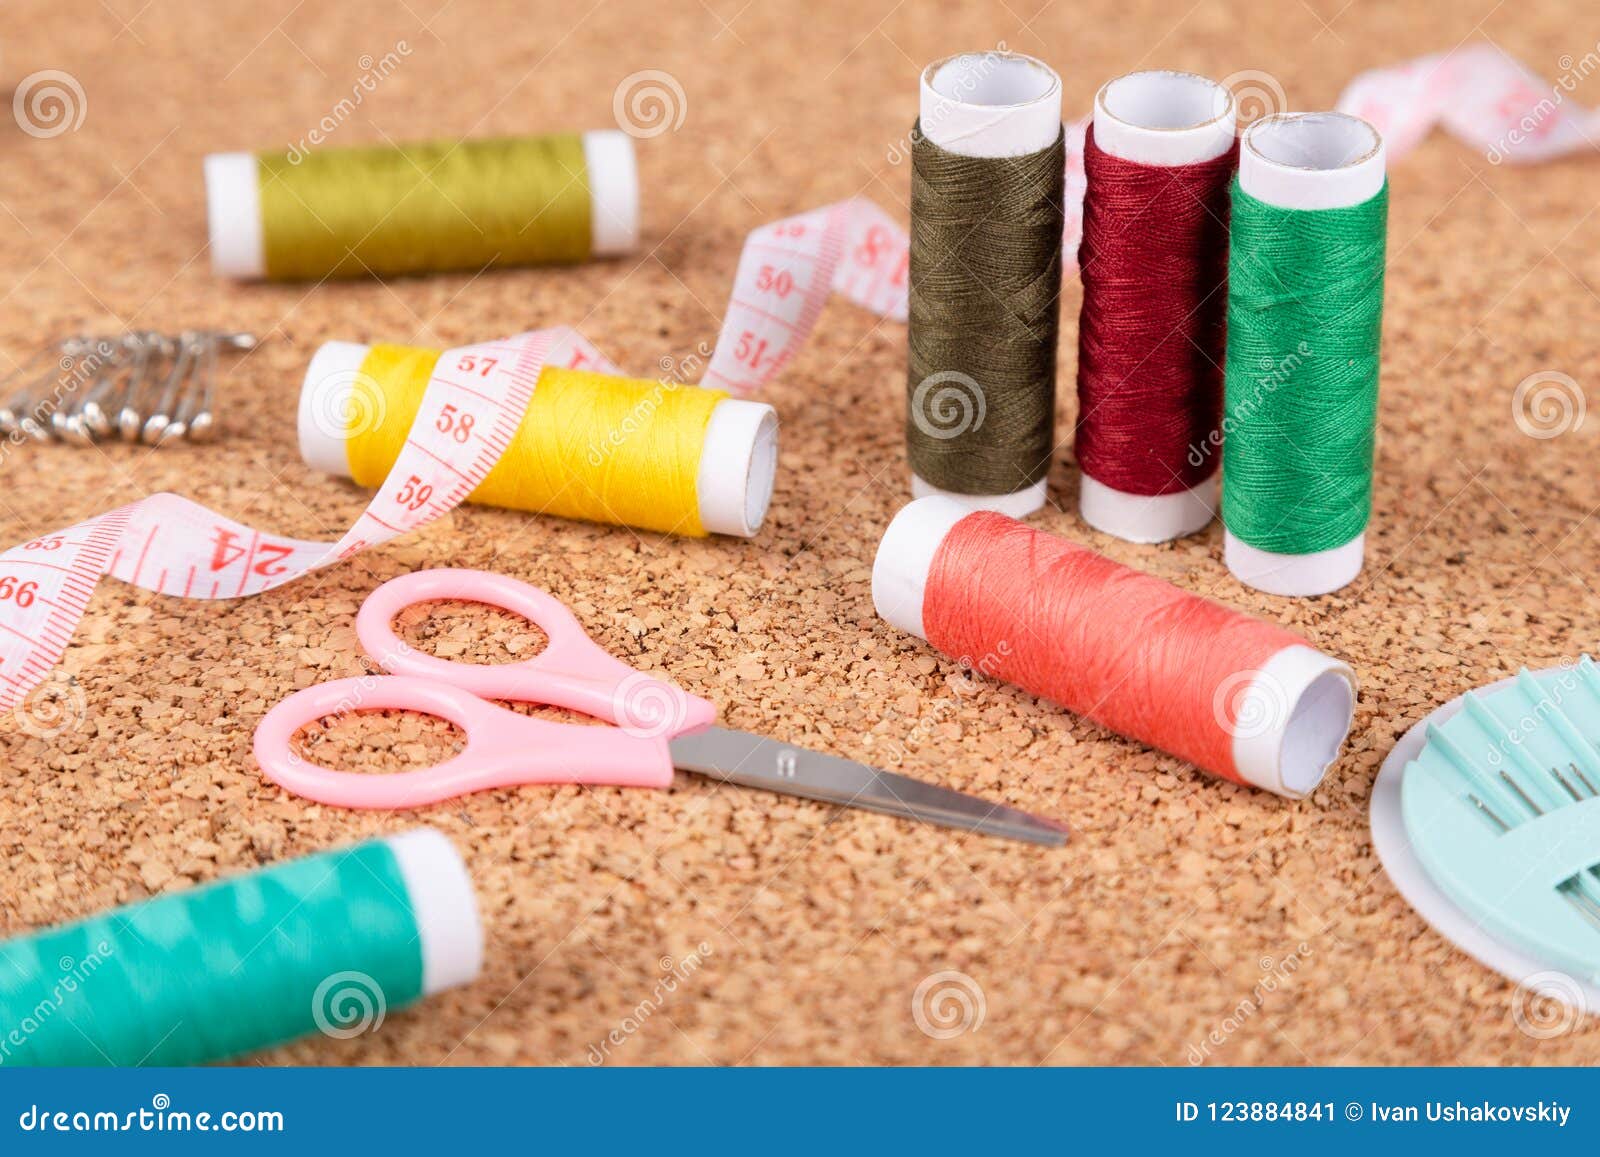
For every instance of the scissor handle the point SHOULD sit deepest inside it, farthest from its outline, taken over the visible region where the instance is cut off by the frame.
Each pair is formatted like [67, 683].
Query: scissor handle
[503, 748]
[572, 671]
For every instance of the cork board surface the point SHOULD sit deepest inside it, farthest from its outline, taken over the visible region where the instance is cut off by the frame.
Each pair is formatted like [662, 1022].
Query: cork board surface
[1174, 913]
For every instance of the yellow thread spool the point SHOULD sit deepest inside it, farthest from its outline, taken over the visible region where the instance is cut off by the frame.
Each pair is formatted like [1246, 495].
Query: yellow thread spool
[653, 455]
[422, 208]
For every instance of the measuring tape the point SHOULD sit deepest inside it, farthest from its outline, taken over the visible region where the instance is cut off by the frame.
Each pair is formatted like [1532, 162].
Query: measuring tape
[470, 410]
[787, 270]
[1482, 97]
[786, 273]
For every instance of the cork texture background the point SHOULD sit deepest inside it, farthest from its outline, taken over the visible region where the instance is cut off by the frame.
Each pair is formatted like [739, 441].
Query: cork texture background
[1184, 910]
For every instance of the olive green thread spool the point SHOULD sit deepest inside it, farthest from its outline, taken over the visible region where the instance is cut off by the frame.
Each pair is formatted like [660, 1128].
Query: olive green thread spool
[986, 223]
[422, 208]
[329, 943]
[1304, 330]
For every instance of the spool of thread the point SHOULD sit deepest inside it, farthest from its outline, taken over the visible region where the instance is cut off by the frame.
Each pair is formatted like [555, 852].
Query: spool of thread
[652, 455]
[1243, 699]
[334, 942]
[1305, 315]
[988, 172]
[1158, 161]
[422, 208]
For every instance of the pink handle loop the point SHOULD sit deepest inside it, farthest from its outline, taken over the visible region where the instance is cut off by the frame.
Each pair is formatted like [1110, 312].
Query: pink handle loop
[503, 749]
[572, 671]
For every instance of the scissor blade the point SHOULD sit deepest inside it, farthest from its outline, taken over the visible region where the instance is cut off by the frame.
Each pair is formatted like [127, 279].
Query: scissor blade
[755, 761]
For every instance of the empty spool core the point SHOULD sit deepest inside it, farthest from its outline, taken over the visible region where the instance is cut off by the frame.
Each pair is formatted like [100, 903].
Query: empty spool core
[1166, 102]
[1317, 729]
[1319, 693]
[1322, 141]
[992, 79]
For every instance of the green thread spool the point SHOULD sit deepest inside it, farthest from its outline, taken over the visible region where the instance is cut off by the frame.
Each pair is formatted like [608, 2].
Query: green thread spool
[1305, 315]
[422, 208]
[984, 308]
[332, 942]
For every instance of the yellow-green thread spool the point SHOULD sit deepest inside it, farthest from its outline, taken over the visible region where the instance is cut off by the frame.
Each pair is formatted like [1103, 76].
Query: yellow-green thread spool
[652, 455]
[422, 208]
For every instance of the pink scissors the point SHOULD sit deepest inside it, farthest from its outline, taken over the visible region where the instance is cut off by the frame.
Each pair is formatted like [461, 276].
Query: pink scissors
[657, 726]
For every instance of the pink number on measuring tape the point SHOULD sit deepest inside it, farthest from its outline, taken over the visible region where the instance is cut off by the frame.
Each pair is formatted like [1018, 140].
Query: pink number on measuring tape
[168, 544]
[789, 269]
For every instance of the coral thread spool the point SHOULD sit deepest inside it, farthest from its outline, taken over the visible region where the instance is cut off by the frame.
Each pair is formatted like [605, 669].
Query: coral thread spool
[726, 491]
[1306, 162]
[985, 106]
[1157, 120]
[1244, 699]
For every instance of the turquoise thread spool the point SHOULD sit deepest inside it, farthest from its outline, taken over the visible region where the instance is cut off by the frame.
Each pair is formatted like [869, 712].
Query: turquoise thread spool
[332, 943]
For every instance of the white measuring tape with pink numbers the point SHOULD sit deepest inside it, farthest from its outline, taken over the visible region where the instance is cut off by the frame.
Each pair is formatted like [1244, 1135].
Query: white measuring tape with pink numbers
[786, 273]
[1482, 97]
[473, 403]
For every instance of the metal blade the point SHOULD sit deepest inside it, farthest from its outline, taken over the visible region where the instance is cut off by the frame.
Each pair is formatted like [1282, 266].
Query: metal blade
[754, 761]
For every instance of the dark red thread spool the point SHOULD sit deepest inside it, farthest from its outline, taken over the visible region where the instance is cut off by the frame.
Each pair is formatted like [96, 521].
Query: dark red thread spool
[1158, 161]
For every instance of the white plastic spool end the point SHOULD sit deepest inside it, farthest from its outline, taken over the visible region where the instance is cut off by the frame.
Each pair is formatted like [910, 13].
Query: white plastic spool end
[1292, 717]
[1293, 720]
[325, 406]
[233, 216]
[1018, 504]
[990, 104]
[1320, 160]
[905, 556]
[444, 907]
[1158, 118]
[1164, 118]
[737, 466]
[1320, 572]
[738, 462]
[613, 192]
[1147, 518]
